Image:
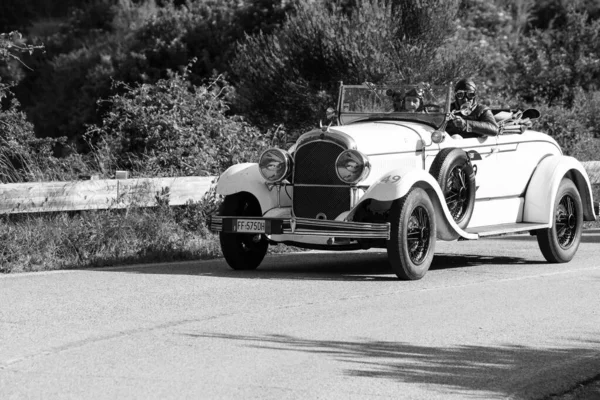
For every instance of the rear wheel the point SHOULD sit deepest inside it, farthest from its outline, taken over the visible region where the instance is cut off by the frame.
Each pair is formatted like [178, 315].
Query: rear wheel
[559, 243]
[242, 251]
[412, 237]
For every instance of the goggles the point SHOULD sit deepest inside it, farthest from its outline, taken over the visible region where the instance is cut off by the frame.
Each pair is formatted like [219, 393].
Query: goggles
[461, 94]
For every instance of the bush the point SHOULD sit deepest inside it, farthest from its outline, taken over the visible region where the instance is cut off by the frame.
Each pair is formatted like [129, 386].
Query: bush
[551, 66]
[205, 30]
[572, 127]
[292, 75]
[173, 128]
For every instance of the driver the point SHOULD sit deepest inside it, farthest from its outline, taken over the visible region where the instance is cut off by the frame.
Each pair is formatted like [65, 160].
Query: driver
[480, 121]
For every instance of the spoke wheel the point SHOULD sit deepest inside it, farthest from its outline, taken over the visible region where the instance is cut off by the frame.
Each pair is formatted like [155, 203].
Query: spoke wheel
[242, 251]
[566, 221]
[417, 235]
[454, 173]
[560, 242]
[412, 238]
[456, 192]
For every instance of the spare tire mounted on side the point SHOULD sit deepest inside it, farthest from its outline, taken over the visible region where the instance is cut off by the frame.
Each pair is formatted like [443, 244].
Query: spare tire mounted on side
[454, 173]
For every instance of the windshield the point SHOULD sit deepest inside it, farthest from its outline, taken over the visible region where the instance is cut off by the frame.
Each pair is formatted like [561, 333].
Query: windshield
[422, 102]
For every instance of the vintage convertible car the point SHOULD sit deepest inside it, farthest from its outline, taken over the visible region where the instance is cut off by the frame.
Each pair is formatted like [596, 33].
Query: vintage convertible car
[379, 176]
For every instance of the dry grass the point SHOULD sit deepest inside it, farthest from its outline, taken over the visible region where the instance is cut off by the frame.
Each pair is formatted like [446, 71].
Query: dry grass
[101, 238]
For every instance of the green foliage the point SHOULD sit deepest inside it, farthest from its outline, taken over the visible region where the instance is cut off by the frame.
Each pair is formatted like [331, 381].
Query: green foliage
[100, 238]
[12, 46]
[551, 66]
[206, 30]
[131, 41]
[14, 15]
[25, 157]
[173, 128]
[292, 75]
[552, 14]
[572, 127]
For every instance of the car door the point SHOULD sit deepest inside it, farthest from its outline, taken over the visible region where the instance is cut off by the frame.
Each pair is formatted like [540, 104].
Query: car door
[518, 156]
[483, 152]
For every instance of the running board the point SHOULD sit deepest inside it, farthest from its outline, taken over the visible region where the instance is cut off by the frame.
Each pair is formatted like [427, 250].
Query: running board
[503, 229]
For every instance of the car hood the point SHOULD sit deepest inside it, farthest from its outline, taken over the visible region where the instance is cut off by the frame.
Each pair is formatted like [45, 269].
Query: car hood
[377, 137]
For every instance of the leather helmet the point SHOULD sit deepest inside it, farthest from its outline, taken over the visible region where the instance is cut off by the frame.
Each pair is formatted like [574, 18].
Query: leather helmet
[465, 84]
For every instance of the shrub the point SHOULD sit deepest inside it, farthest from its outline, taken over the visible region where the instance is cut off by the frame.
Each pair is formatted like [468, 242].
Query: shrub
[292, 75]
[551, 66]
[571, 127]
[173, 128]
[205, 30]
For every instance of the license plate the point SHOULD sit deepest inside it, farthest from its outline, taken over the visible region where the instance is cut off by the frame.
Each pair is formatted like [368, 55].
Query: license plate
[250, 226]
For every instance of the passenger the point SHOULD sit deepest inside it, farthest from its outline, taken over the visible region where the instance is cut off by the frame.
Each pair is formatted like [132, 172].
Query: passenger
[479, 122]
[413, 101]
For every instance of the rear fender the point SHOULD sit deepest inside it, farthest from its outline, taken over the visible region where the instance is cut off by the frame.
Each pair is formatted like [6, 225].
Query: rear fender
[541, 191]
[396, 183]
[246, 178]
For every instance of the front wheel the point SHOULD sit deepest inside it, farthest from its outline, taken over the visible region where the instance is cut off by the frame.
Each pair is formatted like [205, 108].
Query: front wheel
[559, 243]
[242, 251]
[412, 237]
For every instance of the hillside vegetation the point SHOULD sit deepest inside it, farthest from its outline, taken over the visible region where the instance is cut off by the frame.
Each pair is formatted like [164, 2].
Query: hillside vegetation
[181, 88]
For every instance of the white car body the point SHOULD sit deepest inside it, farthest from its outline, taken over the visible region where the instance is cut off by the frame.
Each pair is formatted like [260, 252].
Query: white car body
[517, 176]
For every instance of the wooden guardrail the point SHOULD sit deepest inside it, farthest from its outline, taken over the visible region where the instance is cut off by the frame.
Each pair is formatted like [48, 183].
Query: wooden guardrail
[99, 194]
[122, 193]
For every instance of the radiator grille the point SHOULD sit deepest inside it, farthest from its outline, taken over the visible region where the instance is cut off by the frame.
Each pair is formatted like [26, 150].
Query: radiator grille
[314, 164]
[310, 201]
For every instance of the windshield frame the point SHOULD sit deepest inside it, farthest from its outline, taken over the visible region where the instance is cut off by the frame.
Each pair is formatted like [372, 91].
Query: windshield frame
[380, 96]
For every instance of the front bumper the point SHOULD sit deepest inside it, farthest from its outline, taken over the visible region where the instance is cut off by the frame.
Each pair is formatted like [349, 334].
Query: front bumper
[307, 227]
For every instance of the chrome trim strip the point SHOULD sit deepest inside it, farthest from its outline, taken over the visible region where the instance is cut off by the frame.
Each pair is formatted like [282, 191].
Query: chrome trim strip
[320, 185]
[315, 227]
[509, 197]
[341, 139]
[395, 153]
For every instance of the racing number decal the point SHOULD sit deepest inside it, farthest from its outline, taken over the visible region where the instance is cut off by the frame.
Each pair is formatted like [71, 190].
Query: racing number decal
[391, 179]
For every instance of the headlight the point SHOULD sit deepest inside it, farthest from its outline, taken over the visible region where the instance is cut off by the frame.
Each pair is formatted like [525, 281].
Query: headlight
[275, 165]
[352, 166]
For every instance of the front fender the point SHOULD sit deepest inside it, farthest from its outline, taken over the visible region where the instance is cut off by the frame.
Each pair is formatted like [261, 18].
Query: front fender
[396, 183]
[245, 177]
[541, 191]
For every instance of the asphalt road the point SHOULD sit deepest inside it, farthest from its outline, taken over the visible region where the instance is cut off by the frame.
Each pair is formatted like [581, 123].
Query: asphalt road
[490, 320]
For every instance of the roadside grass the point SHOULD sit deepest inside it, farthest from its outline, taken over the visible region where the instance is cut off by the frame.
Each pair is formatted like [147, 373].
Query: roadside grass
[104, 238]
[100, 238]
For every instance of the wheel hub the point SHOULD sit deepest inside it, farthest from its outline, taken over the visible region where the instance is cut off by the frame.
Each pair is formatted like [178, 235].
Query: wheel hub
[572, 221]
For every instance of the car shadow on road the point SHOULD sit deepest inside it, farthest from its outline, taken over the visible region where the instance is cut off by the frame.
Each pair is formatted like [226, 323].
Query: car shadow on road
[355, 266]
[509, 371]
